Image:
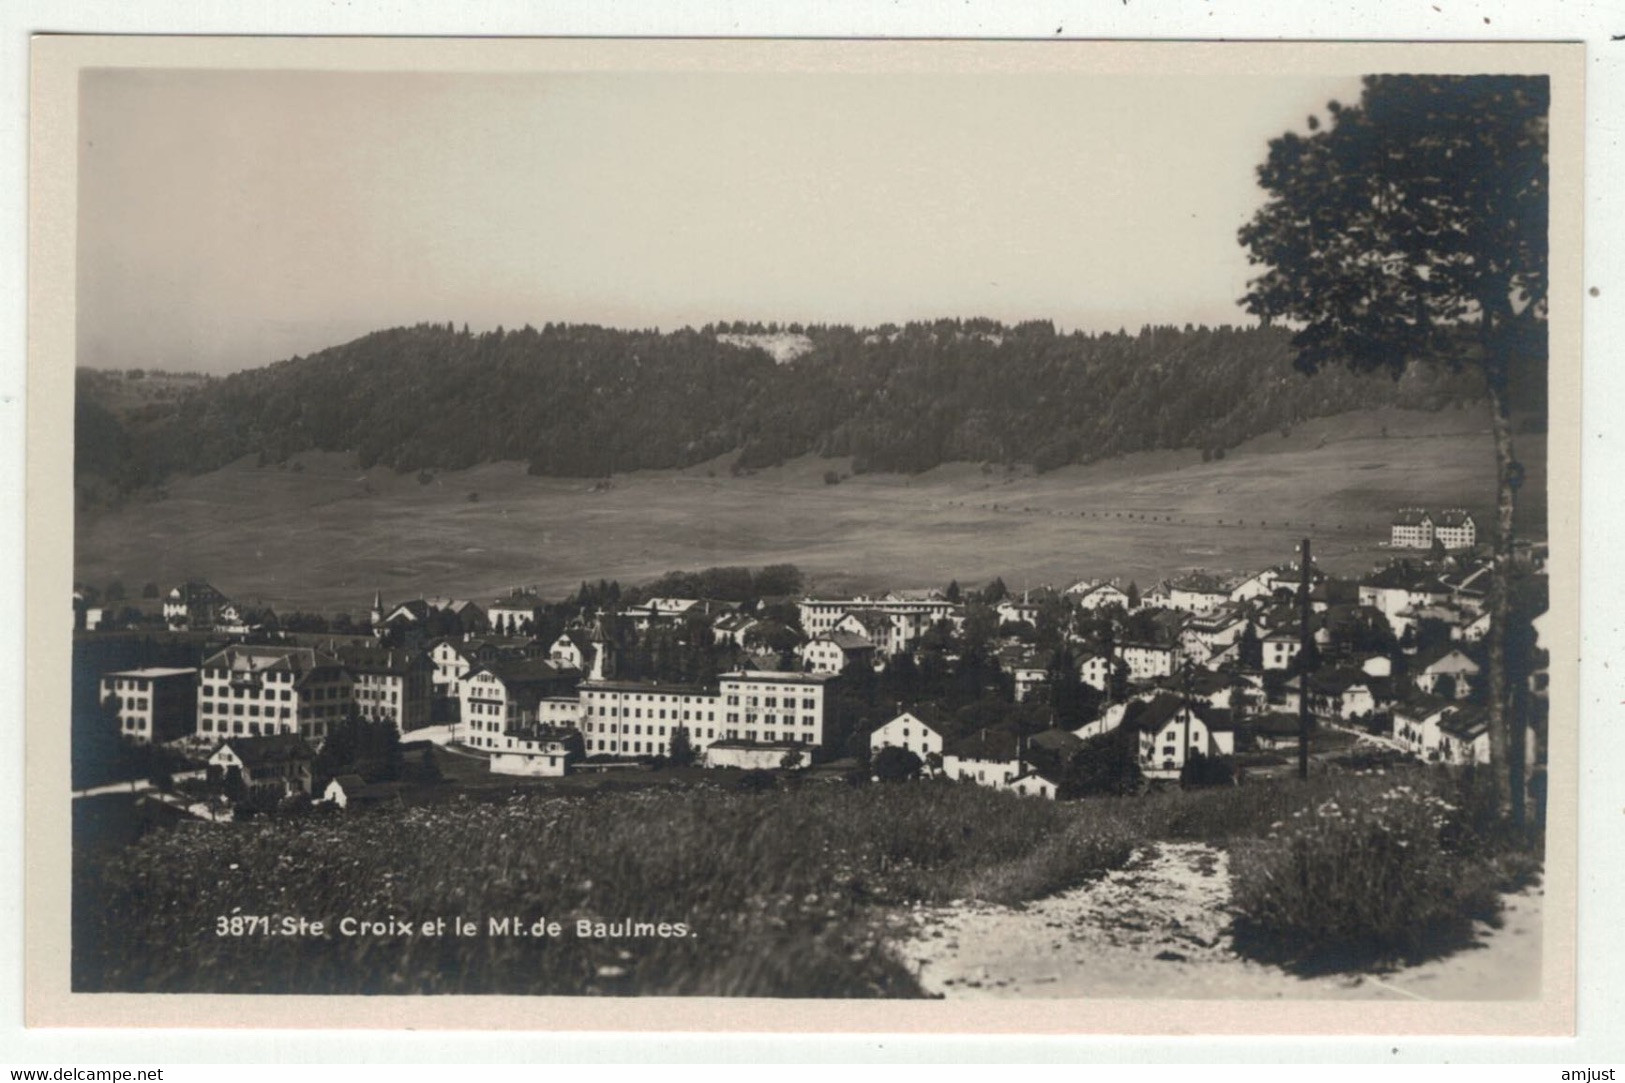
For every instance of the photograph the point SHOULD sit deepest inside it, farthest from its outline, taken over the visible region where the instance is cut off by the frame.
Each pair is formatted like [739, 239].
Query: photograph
[1011, 523]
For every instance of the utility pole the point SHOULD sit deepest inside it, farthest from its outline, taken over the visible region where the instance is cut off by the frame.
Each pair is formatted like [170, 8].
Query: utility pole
[1303, 660]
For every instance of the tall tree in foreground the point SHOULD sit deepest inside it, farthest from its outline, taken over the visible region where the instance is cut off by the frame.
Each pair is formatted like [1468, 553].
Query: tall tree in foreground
[1413, 228]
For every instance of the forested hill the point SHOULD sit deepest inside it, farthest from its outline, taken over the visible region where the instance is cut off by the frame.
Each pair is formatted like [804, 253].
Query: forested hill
[582, 401]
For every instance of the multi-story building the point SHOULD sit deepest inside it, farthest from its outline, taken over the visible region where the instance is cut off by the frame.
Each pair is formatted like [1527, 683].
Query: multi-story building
[263, 691]
[640, 718]
[391, 685]
[1455, 529]
[761, 706]
[1411, 528]
[1171, 729]
[505, 696]
[151, 705]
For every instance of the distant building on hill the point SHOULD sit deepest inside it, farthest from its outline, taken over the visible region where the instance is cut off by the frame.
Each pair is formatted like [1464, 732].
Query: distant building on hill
[1418, 528]
[1411, 528]
[194, 605]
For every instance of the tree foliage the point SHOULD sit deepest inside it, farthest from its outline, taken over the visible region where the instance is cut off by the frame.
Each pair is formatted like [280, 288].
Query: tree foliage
[584, 401]
[1414, 229]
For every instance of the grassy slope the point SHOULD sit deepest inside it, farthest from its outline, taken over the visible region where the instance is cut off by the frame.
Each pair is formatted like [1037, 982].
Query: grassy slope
[326, 536]
[782, 891]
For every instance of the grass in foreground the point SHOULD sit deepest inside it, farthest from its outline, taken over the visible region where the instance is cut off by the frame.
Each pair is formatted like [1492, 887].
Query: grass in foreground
[779, 890]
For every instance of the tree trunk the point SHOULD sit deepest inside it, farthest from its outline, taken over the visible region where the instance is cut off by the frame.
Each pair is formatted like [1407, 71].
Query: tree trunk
[1506, 761]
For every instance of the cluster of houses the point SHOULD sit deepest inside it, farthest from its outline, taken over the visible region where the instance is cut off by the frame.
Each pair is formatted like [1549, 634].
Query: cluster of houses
[1187, 667]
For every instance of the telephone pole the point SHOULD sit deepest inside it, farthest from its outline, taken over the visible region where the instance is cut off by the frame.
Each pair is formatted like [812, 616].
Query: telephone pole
[1303, 660]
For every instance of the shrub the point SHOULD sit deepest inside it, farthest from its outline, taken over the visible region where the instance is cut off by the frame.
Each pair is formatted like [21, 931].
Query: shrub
[896, 765]
[1366, 876]
[1200, 770]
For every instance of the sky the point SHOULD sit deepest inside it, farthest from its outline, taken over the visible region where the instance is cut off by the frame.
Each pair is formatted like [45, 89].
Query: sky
[228, 219]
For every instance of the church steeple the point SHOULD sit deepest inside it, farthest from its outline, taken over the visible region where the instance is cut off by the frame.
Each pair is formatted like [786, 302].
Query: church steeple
[603, 662]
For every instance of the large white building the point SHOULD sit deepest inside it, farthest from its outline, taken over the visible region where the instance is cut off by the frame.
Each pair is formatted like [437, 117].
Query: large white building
[640, 718]
[264, 691]
[155, 704]
[1455, 529]
[391, 685]
[506, 696]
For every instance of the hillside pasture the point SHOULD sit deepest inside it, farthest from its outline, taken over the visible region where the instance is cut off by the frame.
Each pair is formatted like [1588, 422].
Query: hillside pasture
[320, 533]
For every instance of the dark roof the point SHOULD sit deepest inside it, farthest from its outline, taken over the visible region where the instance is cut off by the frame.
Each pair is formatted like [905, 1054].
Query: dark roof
[1337, 681]
[1452, 517]
[1198, 582]
[241, 658]
[378, 659]
[259, 751]
[656, 687]
[197, 590]
[526, 671]
[1000, 745]
[1401, 577]
[870, 619]
[1465, 723]
[519, 599]
[848, 641]
[1060, 741]
[1411, 517]
[1420, 704]
[1151, 715]
[1275, 724]
[350, 783]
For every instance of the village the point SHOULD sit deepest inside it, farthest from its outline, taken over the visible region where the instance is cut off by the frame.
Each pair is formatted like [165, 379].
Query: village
[1052, 692]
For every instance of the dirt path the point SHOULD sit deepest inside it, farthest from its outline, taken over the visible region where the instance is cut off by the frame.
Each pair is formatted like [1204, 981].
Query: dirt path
[1159, 928]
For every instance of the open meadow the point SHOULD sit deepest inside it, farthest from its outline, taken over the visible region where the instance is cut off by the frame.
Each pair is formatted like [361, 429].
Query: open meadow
[323, 534]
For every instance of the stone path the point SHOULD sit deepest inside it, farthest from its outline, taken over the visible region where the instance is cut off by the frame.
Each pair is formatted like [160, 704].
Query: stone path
[1159, 928]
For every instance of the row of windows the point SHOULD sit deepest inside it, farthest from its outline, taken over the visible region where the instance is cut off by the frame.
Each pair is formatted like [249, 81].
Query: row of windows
[130, 703]
[246, 693]
[225, 674]
[238, 728]
[253, 711]
[751, 717]
[808, 703]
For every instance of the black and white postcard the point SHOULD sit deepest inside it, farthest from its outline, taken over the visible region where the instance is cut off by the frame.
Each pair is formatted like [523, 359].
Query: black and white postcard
[1047, 536]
